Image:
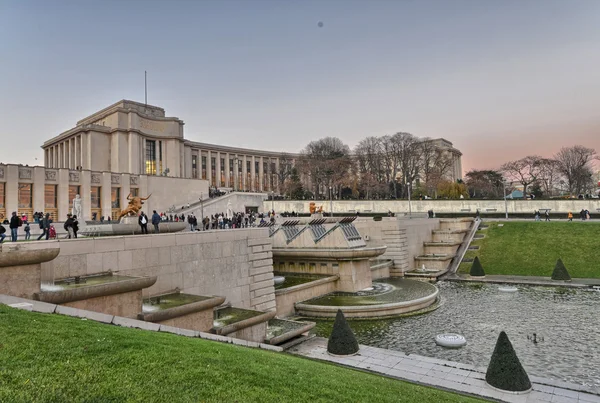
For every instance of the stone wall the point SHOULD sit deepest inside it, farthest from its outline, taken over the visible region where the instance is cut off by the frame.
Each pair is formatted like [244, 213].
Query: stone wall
[403, 237]
[236, 264]
[440, 206]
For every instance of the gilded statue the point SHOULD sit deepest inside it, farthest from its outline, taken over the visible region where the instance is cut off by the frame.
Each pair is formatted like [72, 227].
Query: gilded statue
[314, 209]
[134, 207]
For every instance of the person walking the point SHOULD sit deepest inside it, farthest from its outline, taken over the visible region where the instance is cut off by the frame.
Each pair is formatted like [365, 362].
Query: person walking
[143, 221]
[2, 231]
[68, 226]
[155, 221]
[27, 231]
[45, 227]
[15, 223]
[75, 226]
[570, 216]
[547, 214]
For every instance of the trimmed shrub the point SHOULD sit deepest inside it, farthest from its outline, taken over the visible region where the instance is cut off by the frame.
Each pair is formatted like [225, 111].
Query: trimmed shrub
[342, 340]
[505, 371]
[476, 269]
[560, 272]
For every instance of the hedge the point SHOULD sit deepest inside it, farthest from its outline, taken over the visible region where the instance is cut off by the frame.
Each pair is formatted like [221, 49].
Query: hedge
[342, 340]
[505, 371]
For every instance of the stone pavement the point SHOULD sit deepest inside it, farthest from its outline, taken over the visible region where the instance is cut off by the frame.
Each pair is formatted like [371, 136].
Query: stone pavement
[452, 376]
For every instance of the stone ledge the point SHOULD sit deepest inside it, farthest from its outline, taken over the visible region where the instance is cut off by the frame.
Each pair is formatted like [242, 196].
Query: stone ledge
[259, 241]
[80, 313]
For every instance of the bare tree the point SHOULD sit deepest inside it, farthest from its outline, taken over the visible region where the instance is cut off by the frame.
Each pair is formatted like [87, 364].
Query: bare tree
[327, 162]
[575, 163]
[284, 171]
[524, 171]
[407, 150]
[549, 175]
[484, 184]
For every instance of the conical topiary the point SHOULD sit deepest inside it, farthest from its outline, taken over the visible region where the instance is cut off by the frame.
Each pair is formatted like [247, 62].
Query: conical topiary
[560, 272]
[342, 340]
[505, 371]
[476, 269]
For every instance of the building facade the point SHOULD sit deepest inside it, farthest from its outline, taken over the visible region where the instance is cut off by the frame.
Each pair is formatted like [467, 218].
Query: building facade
[140, 140]
[133, 148]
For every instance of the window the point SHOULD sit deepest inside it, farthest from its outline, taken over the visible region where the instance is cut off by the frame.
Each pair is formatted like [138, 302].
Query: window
[256, 176]
[150, 157]
[222, 173]
[2, 187]
[50, 196]
[230, 184]
[135, 192]
[195, 166]
[96, 197]
[25, 195]
[115, 197]
[73, 191]
[213, 171]
[203, 167]
[266, 176]
[160, 172]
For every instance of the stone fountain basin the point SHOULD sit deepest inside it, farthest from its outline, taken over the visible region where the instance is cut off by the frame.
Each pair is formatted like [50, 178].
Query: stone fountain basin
[21, 255]
[371, 307]
[330, 253]
[94, 286]
[281, 330]
[230, 320]
[180, 304]
[130, 229]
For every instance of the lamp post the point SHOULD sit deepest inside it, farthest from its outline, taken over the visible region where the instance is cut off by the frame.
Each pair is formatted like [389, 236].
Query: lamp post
[272, 200]
[505, 202]
[202, 211]
[330, 201]
[409, 201]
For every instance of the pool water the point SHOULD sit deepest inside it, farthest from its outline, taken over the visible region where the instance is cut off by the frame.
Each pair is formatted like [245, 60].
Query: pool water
[568, 320]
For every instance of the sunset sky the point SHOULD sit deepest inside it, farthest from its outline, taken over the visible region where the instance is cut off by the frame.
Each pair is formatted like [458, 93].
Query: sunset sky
[499, 79]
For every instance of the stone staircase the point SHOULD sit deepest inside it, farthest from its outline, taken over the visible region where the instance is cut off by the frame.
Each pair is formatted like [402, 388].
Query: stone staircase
[439, 252]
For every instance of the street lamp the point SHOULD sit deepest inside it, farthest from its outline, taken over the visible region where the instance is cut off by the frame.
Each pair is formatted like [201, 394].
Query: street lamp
[330, 201]
[202, 211]
[505, 202]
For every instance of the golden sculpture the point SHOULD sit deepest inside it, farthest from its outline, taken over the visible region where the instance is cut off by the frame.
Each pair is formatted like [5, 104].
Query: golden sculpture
[134, 207]
[313, 208]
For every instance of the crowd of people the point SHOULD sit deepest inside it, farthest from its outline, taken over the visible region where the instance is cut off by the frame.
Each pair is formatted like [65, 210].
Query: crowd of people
[45, 223]
[214, 221]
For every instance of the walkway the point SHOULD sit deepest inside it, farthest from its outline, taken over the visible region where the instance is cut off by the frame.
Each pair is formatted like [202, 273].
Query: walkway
[453, 376]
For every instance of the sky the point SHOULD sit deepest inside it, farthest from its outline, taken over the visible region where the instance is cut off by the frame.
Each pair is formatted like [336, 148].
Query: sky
[499, 79]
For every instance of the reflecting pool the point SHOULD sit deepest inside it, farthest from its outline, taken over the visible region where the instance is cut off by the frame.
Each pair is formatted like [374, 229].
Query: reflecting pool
[568, 320]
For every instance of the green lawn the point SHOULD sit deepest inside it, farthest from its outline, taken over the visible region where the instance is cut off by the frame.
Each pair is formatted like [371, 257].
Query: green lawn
[52, 358]
[532, 248]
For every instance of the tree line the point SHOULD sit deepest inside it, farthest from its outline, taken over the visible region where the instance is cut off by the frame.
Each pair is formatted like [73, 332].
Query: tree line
[384, 167]
[568, 172]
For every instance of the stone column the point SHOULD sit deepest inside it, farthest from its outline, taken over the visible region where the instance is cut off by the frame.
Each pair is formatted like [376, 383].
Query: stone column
[157, 156]
[227, 178]
[253, 175]
[243, 184]
[261, 175]
[39, 199]
[279, 186]
[209, 168]
[85, 181]
[106, 185]
[218, 169]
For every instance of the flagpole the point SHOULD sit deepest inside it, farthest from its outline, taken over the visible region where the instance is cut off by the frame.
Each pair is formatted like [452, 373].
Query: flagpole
[145, 87]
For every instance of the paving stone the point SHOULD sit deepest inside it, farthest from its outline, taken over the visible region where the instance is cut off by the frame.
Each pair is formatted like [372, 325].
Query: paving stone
[455, 378]
[535, 396]
[563, 399]
[427, 365]
[26, 306]
[567, 393]
[240, 342]
[436, 374]
[543, 388]
[270, 347]
[43, 307]
[461, 372]
[133, 323]
[587, 397]
[512, 398]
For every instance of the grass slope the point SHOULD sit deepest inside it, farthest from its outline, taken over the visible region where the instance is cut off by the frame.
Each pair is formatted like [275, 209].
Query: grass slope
[52, 358]
[532, 248]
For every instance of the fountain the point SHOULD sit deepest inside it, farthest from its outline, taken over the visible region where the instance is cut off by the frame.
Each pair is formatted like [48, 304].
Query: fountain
[186, 311]
[104, 292]
[20, 266]
[334, 249]
[241, 323]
